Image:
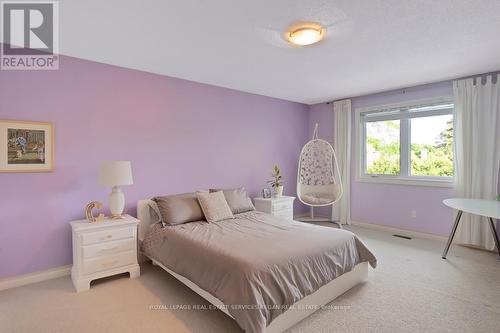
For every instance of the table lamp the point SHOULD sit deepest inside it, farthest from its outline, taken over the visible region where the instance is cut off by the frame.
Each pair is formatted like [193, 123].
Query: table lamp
[116, 174]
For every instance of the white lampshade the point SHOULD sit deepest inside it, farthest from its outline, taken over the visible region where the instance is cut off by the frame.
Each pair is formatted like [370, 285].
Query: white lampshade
[115, 173]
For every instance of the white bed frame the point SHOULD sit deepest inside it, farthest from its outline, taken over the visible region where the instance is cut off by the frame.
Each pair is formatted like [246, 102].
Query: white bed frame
[302, 308]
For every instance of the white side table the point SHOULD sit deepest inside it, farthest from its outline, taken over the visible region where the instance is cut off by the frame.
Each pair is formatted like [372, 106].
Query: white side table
[487, 208]
[282, 206]
[103, 249]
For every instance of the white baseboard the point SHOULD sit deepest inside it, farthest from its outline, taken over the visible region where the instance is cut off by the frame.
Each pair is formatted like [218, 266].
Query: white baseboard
[399, 231]
[21, 280]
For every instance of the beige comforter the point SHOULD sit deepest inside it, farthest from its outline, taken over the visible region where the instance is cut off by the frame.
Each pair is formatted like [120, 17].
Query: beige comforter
[256, 261]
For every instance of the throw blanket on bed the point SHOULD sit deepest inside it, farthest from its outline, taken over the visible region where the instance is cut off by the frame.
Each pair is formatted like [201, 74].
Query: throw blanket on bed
[256, 261]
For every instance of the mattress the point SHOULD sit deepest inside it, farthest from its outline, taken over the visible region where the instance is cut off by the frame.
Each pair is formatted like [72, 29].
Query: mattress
[256, 264]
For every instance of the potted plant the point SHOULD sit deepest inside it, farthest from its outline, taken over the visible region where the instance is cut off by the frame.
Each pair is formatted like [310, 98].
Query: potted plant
[276, 182]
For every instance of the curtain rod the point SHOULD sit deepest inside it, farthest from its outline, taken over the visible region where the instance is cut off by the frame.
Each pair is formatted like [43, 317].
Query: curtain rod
[434, 84]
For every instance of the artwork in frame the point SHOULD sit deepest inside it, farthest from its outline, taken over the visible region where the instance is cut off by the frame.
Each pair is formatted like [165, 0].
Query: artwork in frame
[26, 146]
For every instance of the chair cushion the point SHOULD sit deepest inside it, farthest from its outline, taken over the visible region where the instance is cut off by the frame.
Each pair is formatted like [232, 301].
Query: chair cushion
[318, 198]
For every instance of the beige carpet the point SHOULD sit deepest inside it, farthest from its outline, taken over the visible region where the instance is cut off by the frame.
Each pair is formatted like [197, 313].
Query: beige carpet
[412, 290]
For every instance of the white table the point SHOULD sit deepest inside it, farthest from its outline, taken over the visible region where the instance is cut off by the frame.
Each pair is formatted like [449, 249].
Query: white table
[487, 208]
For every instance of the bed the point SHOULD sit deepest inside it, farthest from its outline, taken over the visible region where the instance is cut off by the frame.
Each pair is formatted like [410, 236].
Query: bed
[265, 272]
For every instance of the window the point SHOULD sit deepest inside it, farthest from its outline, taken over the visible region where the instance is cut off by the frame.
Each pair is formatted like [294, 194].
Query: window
[383, 147]
[406, 144]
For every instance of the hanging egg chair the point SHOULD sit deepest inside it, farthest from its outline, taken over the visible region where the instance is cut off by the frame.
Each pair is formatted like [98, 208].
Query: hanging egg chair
[318, 178]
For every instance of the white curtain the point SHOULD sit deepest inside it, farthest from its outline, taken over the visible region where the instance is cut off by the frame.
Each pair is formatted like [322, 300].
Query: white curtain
[477, 151]
[342, 144]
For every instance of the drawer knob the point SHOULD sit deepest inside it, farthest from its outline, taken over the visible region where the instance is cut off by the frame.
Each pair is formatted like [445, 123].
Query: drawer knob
[109, 236]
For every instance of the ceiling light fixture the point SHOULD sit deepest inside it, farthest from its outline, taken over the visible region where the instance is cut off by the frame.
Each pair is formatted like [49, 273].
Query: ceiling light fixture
[306, 34]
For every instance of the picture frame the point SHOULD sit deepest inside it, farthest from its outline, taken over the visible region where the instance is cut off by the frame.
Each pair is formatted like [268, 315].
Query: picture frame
[266, 193]
[26, 146]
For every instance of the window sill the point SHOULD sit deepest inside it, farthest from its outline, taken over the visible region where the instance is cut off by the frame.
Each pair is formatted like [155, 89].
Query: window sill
[406, 181]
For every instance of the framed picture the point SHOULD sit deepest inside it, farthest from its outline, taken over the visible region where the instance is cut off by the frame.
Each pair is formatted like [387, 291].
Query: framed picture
[266, 193]
[26, 146]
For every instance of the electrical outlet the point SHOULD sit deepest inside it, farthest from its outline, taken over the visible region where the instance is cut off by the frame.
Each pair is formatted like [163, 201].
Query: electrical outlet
[413, 214]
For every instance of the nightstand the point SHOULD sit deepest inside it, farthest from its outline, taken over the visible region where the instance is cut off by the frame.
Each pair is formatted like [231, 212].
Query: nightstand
[103, 249]
[282, 206]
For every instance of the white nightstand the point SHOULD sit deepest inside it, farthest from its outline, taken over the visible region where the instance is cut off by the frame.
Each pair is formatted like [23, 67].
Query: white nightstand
[282, 206]
[102, 249]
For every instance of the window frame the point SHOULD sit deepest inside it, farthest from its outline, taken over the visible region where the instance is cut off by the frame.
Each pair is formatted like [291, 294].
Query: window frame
[405, 177]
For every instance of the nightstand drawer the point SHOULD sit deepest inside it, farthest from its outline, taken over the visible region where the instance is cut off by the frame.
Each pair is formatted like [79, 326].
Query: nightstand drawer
[107, 248]
[107, 235]
[283, 205]
[108, 262]
[285, 213]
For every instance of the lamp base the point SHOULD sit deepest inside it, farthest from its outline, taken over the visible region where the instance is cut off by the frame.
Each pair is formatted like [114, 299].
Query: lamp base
[116, 203]
[117, 216]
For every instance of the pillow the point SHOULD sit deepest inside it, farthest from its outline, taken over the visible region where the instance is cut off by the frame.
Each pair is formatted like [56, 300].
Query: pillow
[179, 208]
[214, 206]
[237, 199]
[154, 212]
[318, 198]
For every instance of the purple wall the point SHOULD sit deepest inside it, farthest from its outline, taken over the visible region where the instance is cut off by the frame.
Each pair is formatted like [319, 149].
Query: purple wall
[180, 136]
[391, 204]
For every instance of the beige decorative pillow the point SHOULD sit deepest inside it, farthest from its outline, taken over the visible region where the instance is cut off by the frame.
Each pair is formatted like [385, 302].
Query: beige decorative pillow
[214, 206]
[237, 199]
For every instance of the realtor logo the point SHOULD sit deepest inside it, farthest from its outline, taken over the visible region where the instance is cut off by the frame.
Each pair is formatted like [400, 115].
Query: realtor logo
[30, 38]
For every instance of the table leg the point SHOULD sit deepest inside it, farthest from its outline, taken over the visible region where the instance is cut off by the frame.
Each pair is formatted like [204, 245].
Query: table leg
[495, 235]
[450, 239]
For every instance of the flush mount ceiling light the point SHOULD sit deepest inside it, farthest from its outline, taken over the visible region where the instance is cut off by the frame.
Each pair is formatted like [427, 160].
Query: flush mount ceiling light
[306, 34]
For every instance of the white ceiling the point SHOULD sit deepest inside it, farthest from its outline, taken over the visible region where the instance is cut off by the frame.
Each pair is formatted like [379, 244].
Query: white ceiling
[372, 45]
